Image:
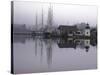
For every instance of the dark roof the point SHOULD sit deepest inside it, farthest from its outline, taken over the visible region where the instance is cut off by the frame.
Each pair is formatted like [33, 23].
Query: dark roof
[87, 27]
[66, 45]
[67, 27]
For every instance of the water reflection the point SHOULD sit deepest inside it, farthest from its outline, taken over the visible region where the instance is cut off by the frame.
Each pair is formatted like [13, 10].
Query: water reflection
[42, 53]
[74, 43]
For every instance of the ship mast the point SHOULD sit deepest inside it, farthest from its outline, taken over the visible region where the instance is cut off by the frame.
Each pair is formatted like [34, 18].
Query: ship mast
[50, 17]
[36, 24]
[42, 18]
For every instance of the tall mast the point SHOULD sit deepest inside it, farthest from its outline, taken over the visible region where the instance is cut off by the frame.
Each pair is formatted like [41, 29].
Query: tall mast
[36, 22]
[50, 18]
[42, 18]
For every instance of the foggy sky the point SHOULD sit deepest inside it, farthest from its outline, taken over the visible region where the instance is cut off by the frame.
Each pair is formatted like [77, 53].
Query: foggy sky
[25, 13]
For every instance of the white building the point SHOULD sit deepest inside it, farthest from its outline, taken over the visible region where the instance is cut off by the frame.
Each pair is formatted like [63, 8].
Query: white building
[87, 30]
[83, 29]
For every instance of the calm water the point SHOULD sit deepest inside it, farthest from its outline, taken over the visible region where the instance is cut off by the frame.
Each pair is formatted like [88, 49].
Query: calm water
[45, 55]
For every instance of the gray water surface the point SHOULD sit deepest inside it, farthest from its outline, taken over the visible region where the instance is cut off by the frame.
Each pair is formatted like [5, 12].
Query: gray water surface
[45, 55]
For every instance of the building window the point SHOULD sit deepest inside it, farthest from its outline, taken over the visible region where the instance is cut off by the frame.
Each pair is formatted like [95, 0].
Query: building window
[78, 32]
[87, 32]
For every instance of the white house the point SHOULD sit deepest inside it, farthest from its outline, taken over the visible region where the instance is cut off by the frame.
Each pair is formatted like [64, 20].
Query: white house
[87, 30]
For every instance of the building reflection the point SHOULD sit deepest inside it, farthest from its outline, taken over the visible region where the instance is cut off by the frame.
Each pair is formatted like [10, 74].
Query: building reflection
[41, 44]
[74, 43]
[66, 43]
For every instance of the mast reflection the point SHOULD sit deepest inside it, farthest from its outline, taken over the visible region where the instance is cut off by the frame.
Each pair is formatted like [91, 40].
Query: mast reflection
[40, 43]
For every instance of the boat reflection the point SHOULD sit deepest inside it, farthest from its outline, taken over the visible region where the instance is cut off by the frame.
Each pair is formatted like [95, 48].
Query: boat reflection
[61, 42]
[48, 52]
